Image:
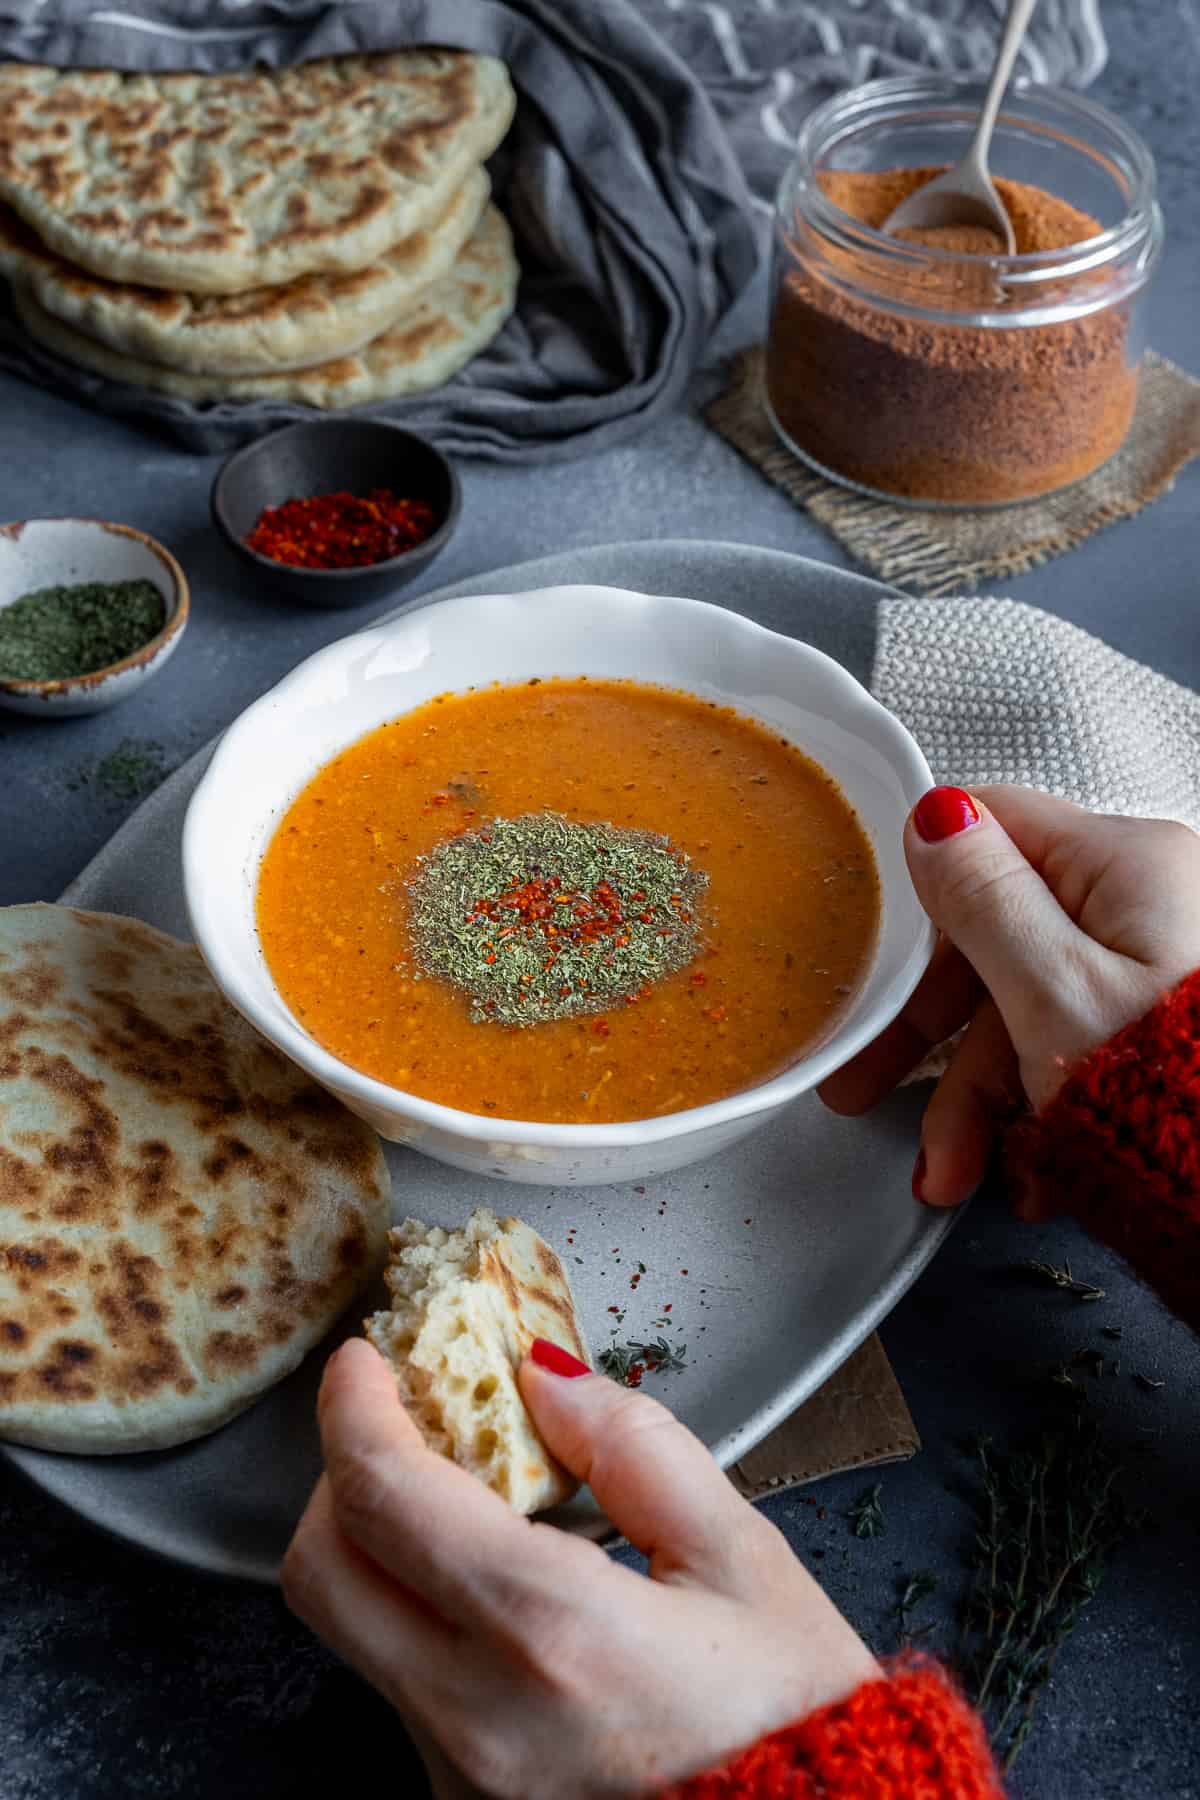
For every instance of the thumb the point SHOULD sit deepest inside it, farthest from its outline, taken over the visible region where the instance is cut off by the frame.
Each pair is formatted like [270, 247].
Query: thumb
[657, 1483]
[992, 904]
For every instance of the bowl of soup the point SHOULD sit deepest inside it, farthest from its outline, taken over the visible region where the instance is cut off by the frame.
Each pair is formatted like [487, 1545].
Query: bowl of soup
[571, 887]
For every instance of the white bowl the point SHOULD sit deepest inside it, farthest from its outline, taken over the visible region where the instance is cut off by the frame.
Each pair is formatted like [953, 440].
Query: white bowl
[38, 553]
[343, 692]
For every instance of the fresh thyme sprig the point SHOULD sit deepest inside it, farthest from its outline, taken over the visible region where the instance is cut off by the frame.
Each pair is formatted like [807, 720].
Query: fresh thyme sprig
[916, 1588]
[617, 1360]
[627, 1363]
[1048, 1517]
[1063, 1278]
[866, 1515]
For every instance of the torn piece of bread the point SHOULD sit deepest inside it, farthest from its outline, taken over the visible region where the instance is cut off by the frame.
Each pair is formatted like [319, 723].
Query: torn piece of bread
[466, 1305]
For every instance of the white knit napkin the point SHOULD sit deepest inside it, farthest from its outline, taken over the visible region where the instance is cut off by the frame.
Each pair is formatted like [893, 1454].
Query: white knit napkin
[995, 690]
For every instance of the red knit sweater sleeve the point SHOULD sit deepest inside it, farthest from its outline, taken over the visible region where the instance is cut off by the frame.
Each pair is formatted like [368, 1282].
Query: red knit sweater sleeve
[1119, 1147]
[910, 1737]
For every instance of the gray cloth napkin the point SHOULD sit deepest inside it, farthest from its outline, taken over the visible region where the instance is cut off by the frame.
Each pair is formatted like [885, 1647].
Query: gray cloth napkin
[636, 229]
[766, 63]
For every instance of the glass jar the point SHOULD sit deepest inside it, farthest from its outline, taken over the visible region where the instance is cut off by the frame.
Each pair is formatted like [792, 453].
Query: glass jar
[916, 372]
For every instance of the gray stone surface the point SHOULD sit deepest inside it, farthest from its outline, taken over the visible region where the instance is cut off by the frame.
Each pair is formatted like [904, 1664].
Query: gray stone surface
[123, 1677]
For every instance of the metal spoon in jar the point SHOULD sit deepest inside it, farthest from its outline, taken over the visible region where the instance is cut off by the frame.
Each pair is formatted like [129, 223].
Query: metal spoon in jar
[964, 195]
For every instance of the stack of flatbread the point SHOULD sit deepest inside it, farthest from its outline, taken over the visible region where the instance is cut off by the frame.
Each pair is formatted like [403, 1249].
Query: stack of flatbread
[321, 234]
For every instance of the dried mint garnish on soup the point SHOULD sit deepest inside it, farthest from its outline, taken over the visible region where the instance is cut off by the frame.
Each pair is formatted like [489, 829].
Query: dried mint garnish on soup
[540, 917]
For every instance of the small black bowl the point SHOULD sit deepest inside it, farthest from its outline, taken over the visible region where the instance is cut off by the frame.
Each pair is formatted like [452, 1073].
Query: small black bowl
[325, 457]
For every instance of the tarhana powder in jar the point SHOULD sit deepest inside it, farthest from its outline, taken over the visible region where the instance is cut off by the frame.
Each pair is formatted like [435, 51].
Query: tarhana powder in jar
[938, 411]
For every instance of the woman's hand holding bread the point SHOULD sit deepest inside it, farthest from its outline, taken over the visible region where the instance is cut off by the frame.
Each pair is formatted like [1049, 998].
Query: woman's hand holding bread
[538, 1665]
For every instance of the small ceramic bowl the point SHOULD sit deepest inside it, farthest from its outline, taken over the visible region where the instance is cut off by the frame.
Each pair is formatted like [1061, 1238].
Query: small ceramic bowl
[348, 689]
[331, 456]
[40, 553]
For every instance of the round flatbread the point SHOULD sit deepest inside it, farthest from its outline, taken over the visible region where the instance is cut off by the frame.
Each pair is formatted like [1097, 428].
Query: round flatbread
[182, 1212]
[265, 329]
[212, 184]
[453, 321]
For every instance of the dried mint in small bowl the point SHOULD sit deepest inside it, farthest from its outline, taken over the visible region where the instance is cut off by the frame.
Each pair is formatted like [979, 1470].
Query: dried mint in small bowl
[55, 633]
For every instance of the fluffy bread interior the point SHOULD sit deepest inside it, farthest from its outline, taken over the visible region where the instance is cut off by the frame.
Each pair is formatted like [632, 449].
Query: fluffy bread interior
[465, 1306]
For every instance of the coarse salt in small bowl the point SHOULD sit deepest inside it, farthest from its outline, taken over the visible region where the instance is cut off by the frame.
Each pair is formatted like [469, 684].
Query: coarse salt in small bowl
[42, 553]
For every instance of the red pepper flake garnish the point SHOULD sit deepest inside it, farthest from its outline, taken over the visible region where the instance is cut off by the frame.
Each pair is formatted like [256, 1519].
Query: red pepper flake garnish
[716, 1013]
[699, 979]
[601, 1028]
[342, 530]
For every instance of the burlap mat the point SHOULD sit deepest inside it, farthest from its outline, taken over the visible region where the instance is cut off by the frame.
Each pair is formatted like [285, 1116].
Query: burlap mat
[858, 1418]
[949, 552]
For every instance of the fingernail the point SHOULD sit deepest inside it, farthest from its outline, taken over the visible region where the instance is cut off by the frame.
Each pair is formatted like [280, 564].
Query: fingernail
[943, 812]
[918, 1178]
[553, 1357]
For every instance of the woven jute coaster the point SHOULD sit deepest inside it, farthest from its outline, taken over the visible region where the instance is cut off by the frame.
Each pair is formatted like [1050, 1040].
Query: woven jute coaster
[858, 1418]
[958, 552]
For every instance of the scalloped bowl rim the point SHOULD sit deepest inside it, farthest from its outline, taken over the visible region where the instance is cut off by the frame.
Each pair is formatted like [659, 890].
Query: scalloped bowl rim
[202, 826]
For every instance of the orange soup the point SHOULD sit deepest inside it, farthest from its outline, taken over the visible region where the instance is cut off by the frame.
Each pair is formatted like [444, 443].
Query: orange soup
[784, 928]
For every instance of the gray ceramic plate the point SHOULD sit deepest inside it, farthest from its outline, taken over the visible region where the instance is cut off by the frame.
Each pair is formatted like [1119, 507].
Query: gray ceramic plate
[795, 1244]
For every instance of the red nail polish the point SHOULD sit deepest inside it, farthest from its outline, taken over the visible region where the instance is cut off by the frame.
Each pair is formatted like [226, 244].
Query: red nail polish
[943, 812]
[918, 1176]
[553, 1357]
